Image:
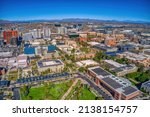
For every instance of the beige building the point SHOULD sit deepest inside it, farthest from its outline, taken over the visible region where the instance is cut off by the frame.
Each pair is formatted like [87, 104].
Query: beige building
[83, 35]
[54, 65]
[136, 58]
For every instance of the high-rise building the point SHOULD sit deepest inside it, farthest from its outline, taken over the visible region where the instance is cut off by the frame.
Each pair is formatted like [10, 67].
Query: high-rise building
[27, 36]
[36, 33]
[9, 34]
[39, 33]
[46, 32]
[13, 41]
[62, 30]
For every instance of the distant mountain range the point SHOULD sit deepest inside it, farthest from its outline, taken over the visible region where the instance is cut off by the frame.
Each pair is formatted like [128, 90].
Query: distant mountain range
[72, 20]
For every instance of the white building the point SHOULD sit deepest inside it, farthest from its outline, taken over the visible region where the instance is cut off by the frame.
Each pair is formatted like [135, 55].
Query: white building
[22, 61]
[36, 33]
[85, 63]
[54, 65]
[62, 30]
[145, 41]
[27, 36]
[46, 32]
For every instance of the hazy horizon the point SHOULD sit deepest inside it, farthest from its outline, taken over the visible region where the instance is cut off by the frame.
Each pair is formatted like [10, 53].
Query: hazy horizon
[120, 10]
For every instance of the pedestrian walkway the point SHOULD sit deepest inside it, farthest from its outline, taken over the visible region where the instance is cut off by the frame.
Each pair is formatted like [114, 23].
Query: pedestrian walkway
[69, 90]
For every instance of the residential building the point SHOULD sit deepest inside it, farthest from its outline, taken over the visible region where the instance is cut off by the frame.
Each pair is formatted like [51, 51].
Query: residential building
[46, 32]
[62, 30]
[36, 33]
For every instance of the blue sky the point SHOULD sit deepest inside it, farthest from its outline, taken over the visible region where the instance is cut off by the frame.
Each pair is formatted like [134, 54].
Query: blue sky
[59, 9]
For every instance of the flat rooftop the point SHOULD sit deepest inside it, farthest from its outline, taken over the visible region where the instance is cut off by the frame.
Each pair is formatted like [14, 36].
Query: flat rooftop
[113, 63]
[4, 83]
[100, 71]
[114, 84]
[48, 63]
[129, 90]
[41, 78]
[86, 63]
[146, 83]
[123, 68]
[118, 84]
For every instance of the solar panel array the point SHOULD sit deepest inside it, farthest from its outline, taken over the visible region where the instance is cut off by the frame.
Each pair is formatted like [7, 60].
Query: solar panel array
[100, 71]
[41, 78]
[112, 83]
[128, 90]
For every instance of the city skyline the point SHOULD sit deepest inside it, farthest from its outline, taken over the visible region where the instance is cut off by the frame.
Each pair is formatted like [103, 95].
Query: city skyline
[104, 10]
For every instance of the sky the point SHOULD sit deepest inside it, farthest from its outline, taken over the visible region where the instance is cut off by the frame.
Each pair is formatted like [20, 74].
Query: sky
[137, 10]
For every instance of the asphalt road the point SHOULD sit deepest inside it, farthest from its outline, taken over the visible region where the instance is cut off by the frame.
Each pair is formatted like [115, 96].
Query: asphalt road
[16, 95]
[100, 91]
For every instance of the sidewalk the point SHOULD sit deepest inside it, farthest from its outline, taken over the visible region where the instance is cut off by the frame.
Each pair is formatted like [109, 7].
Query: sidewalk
[69, 90]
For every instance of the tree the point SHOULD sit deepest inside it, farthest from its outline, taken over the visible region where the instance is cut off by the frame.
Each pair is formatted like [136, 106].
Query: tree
[81, 69]
[98, 98]
[141, 68]
[25, 90]
[73, 51]
[29, 72]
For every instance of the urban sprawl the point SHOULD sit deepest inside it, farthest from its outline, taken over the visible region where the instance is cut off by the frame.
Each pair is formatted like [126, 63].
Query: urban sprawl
[74, 61]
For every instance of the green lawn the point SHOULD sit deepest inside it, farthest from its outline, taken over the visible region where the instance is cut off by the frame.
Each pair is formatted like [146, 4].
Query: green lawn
[80, 92]
[50, 92]
[138, 76]
[86, 94]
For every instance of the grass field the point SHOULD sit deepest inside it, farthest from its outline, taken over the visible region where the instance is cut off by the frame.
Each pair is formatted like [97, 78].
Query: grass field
[81, 92]
[86, 94]
[47, 92]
